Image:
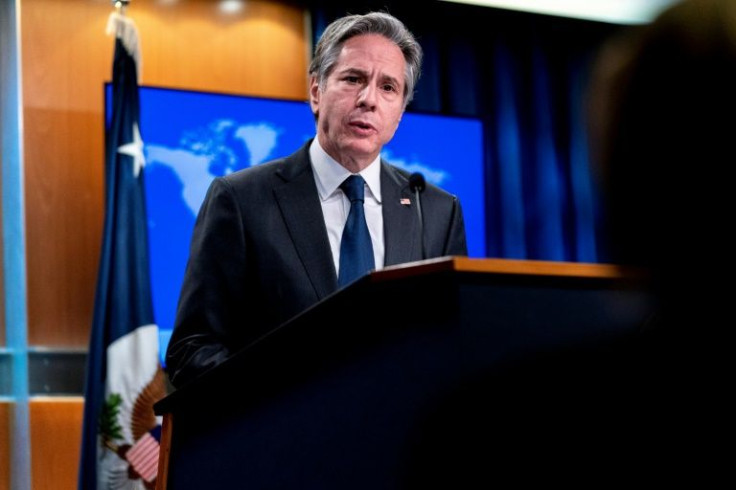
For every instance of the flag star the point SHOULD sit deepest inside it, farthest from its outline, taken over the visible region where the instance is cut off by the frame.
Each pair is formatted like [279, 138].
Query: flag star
[134, 149]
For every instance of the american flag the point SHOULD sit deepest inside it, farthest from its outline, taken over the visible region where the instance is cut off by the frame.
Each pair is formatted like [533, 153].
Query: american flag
[143, 457]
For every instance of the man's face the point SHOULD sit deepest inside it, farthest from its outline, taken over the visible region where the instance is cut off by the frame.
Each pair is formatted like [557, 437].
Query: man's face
[362, 101]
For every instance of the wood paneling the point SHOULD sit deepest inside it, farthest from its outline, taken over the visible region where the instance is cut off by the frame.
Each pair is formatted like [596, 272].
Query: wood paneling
[56, 435]
[259, 51]
[55, 442]
[4, 445]
[66, 58]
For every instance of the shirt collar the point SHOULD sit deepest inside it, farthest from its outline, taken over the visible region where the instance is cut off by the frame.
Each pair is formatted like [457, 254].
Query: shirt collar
[330, 174]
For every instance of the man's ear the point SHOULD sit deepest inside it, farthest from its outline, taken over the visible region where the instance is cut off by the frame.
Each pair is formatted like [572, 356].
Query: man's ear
[314, 94]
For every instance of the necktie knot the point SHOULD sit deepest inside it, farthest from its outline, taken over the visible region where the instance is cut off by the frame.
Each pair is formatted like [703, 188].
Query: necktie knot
[353, 187]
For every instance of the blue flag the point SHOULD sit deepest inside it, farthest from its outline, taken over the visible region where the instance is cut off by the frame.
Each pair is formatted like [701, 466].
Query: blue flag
[124, 376]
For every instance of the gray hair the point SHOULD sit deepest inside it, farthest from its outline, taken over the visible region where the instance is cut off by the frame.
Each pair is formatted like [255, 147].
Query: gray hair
[331, 42]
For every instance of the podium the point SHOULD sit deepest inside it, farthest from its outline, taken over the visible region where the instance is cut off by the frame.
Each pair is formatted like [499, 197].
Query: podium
[348, 394]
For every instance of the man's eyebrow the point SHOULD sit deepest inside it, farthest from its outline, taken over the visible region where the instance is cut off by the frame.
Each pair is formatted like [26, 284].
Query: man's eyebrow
[353, 71]
[396, 81]
[364, 73]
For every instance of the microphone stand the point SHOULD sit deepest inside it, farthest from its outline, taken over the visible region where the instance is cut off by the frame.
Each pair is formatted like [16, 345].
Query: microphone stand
[416, 184]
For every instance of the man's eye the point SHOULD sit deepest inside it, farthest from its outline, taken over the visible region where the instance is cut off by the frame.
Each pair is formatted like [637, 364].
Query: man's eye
[351, 79]
[389, 88]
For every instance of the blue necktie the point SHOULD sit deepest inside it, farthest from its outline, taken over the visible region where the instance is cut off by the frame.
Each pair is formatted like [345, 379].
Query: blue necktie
[356, 249]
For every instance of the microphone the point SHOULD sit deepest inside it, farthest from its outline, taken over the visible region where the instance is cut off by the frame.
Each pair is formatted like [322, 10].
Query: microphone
[417, 184]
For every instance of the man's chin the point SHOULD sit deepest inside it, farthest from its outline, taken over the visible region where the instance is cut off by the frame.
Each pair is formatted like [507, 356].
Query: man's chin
[361, 150]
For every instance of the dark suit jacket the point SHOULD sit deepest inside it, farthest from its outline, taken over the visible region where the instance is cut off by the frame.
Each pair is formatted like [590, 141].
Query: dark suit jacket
[260, 254]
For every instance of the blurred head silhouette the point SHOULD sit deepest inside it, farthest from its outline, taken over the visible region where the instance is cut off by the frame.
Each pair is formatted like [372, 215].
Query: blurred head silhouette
[663, 125]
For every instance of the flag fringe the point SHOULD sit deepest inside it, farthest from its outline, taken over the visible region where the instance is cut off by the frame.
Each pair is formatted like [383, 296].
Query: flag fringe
[125, 29]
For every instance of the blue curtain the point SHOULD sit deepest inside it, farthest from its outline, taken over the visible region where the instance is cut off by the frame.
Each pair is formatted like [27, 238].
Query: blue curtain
[525, 76]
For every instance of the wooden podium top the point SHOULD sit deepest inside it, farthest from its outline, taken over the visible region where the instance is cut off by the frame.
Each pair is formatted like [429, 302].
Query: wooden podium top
[506, 267]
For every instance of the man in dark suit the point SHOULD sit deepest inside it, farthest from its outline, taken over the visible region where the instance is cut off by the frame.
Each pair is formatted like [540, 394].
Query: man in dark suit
[267, 242]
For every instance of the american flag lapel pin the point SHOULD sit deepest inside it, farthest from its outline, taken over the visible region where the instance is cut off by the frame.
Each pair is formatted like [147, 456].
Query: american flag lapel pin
[405, 201]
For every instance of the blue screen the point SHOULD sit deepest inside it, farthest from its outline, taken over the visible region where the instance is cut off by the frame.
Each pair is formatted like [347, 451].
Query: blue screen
[191, 137]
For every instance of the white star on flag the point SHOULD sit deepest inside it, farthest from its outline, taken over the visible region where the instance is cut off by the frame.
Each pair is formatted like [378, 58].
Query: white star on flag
[135, 149]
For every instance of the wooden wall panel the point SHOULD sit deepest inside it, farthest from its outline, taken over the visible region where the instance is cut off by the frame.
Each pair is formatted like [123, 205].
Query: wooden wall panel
[4, 445]
[259, 51]
[56, 435]
[66, 59]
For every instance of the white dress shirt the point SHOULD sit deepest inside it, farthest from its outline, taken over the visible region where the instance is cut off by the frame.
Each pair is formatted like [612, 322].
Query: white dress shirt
[328, 175]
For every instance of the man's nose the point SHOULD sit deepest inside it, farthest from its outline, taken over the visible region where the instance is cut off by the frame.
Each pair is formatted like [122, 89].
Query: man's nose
[367, 96]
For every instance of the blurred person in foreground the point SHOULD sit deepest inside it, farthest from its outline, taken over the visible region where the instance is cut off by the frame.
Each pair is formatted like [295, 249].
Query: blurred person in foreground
[647, 408]
[267, 241]
[663, 137]
[662, 111]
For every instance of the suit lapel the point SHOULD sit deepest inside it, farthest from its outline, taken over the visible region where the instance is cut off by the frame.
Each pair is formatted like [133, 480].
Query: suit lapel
[400, 225]
[299, 203]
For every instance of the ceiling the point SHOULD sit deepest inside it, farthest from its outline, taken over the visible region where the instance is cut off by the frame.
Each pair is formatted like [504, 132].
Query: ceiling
[612, 11]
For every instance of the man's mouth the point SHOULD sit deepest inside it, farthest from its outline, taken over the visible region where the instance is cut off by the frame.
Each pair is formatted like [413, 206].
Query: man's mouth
[361, 125]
